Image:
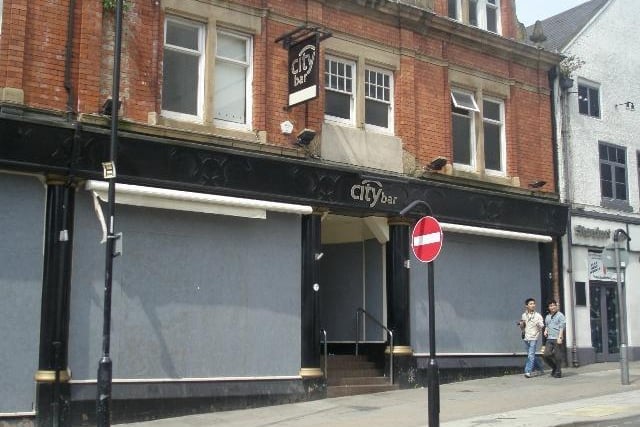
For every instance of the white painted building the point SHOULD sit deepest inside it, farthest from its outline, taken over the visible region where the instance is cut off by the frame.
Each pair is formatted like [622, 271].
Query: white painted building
[598, 136]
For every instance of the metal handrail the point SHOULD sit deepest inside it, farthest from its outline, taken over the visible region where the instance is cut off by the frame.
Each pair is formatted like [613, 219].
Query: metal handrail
[363, 311]
[324, 334]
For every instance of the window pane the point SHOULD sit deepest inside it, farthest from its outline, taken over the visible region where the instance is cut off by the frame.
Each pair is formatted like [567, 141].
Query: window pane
[594, 103]
[583, 100]
[603, 152]
[461, 139]
[473, 13]
[620, 156]
[337, 104]
[453, 9]
[181, 34]
[621, 175]
[492, 19]
[376, 113]
[464, 100]
[180, 82]
[492, 152]
[606, 186]
[491, 110]
[230, 92]
[605, 172]
[231, 47]
[621, 192]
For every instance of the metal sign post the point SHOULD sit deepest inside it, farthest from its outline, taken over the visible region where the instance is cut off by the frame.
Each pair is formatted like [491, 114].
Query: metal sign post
[428, 236]
[622, 310]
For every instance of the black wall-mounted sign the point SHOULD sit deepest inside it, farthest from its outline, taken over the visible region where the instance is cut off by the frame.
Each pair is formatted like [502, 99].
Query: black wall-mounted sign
[303, 70]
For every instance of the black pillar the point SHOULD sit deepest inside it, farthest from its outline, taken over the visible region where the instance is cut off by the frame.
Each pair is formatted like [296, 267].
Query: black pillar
[398, 317]
[52, 377]
[310, 304]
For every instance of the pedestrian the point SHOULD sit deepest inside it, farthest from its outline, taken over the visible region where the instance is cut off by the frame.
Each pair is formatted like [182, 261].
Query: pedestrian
[554, 324]
[531, 325]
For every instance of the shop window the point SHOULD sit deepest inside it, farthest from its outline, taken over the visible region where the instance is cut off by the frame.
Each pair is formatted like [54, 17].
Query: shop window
[589, 100]
[342, 98]
[184, 81]
[613, 172]
[466, 143]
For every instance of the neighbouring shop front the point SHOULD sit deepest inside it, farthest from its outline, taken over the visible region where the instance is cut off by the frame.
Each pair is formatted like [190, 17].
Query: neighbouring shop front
[594, 291]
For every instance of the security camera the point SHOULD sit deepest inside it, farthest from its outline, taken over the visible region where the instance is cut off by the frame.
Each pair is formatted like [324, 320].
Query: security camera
[305, 137]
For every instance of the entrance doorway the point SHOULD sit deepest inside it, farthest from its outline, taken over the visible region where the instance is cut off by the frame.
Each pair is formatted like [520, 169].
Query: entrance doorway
[352, 276]
[603, 299]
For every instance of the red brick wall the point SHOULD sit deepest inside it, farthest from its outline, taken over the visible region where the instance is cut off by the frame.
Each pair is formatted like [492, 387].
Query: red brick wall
[32, 48]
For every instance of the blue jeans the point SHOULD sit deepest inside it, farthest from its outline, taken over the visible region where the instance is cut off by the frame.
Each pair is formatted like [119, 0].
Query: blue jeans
[533, 362]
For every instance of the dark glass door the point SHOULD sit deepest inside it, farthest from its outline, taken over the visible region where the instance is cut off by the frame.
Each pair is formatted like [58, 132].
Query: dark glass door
[603, 298]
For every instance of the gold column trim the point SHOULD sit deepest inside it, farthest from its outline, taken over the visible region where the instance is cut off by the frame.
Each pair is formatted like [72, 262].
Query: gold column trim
[43, 376]
[400, 350]
[310, 372]
[396, 220]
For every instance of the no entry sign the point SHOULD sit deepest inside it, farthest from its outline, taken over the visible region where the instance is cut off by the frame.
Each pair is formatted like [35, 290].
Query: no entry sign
[426, 239]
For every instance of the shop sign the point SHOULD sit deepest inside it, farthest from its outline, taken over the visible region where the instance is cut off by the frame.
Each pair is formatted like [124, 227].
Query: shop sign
[592, 233]
[303, 70]
[371, 192]
[599, 271]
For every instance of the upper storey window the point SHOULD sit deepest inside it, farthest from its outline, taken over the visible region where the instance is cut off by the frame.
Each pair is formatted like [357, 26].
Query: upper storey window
[342, 97]
[473, 146]
[589, 100]
[483, 14]
[183, 70]
[223, 96]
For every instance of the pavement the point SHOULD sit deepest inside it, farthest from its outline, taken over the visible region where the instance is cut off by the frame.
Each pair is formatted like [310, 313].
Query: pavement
[591, 395]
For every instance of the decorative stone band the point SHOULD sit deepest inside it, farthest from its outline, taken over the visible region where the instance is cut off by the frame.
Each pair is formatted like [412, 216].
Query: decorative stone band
[43, 376]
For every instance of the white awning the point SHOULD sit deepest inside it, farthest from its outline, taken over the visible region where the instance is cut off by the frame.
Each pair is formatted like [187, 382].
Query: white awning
[491, 232]
[152, 197]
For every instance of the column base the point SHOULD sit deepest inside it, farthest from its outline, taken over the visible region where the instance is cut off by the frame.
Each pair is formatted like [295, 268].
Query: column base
[311, 372]
[400, 350]
[46, 376]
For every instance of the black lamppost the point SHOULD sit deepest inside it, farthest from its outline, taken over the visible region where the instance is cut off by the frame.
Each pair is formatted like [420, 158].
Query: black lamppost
[433, 376]
[103, 399]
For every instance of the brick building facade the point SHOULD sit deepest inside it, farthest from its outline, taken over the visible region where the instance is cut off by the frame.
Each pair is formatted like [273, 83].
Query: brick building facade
[232, 223]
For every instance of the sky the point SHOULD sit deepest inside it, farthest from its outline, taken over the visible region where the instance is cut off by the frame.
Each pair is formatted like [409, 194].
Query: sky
[531, 10]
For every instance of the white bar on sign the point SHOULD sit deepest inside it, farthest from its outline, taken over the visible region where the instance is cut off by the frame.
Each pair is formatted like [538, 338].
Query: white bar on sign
[426, 239]
[303, 95]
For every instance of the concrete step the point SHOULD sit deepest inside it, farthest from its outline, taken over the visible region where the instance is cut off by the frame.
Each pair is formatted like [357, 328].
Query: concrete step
[354, 372]
[352, 390]
[358, 381]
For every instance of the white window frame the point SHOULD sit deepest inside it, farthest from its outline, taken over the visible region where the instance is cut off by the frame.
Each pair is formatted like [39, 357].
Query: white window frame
[472, 109]
[481, 14]
[354, 88]
[390, 128]
[1, 6]
[503, 146]
[248, 65]
[201, 64]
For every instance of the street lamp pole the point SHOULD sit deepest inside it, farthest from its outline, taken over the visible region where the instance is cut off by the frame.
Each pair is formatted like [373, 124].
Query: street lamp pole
[433, 374]
[622, 309]
[103, 398]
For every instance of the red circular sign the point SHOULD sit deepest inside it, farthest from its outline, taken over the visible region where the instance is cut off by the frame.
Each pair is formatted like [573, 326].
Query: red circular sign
[426, 239]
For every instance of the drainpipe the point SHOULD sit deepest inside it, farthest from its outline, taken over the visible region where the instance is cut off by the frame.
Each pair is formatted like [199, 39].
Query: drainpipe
[565, 134]
[68, 58]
